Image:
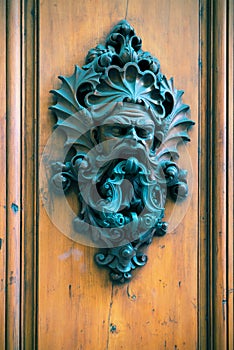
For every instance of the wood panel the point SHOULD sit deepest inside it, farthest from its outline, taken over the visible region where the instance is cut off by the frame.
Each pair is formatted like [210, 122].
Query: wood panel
[3, 172]
[158, 309]
[218, 182]
[230, 156]
[29, 174]
[203, 154]
[78, 306]
[13, 174]
[69, 282]
[52, 295]
[219, 172]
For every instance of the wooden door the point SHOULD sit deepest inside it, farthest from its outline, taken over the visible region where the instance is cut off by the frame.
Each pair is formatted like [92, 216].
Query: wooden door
[52, 294]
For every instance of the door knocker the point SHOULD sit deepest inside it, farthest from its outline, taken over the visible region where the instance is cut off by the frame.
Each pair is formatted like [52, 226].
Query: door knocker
[123, 121]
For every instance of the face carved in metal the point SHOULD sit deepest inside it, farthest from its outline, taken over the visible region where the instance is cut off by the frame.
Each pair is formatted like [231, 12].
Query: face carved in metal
[137, 132]
[124, 191]
[124, 120]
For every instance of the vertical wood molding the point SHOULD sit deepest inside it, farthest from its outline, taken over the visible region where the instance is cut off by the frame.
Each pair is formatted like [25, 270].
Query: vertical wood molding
[203, 147]
[230, 155]
[29, 173]
[3, 170]
[218, 176]
[219, 168]
[13, 144]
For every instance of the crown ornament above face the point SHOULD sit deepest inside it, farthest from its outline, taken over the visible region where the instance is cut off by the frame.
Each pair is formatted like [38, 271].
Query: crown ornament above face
[122, 46]
[117, 72]
[124, 120]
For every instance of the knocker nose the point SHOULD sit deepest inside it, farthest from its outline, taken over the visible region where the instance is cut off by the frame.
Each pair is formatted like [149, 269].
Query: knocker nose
[132, 134]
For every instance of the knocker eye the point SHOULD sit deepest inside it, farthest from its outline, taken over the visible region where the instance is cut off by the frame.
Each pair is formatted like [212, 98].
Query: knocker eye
[142, 133]
[118, 131]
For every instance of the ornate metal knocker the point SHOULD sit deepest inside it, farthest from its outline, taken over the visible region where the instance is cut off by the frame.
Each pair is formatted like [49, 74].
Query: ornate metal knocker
[123, 121]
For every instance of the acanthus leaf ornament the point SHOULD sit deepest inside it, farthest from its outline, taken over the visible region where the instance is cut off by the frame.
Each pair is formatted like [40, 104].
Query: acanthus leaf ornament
[124, 120]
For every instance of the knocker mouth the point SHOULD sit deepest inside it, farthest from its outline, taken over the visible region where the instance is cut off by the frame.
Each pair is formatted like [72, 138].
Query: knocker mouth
[125, 150]
[127, 167]
[123, 181]
[137, 151]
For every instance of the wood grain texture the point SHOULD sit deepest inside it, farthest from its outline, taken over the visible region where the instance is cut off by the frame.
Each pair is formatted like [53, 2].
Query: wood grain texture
[218, 191]
[203, 154]
[78, 306]
[150, 311]
[13, 174]
[3, 170]
[29, 175]
[52, 294]
[230, 190]
[74, 295]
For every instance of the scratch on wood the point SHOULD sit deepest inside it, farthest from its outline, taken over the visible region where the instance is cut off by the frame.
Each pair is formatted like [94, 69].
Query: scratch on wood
[224, 304]
[200, 63]
[201, 11]
[130, 296]
[70, 290]
[172, 319]
[1, 284]
[12, 278]
[75, 253]
[126, 14]
[109, 317]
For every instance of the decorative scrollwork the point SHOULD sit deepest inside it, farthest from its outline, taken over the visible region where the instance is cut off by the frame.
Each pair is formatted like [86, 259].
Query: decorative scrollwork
[124, 120]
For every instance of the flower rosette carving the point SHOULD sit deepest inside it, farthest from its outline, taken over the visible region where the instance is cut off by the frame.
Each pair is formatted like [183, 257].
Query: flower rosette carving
[129, 84]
